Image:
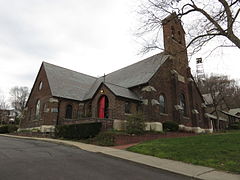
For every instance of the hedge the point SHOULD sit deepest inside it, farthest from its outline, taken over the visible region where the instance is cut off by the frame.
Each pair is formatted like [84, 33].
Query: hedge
[105, 138]
[170, 126]
[78, 131]
[135, 124]
[8, 128]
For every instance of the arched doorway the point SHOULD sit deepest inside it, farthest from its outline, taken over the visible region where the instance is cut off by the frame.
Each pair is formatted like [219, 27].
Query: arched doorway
[103, 107]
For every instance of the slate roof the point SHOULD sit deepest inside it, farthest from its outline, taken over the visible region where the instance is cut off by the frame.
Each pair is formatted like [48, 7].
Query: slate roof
[116, 89]
[215, 117]
[122, 91]
[77, 86]
[234, 111]
[230, 114]
[67, 83]
[208, 99]
[138, 73]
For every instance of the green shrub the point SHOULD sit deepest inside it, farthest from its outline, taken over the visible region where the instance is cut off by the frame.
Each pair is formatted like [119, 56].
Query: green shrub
[234, 126]
[24, 130]
[78, 131]
[170, 126]
[8, 128]
[4, 129]
[135, 124]
[12, 128]
[105, 138]
[35, 130]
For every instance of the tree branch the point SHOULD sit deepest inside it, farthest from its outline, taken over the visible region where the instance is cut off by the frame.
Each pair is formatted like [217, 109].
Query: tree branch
[229, 14]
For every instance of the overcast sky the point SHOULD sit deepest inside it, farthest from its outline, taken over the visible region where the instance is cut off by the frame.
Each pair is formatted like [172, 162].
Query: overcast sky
[92, 37]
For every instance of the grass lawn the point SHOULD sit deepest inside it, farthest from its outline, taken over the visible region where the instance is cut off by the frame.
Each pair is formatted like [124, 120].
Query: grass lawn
[220, 151]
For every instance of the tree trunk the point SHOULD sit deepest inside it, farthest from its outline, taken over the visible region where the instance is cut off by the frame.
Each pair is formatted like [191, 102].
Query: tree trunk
[217, 121]
[234, 39]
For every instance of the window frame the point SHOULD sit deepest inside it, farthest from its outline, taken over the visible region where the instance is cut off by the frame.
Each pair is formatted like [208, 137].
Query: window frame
[162, 104]
[69, 111]
[182, 103]
[37, 109]
[40, 86]
[127, 107]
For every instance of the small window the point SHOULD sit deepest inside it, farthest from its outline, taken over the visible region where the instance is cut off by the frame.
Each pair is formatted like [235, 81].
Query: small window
[79, 114]
[37, 112]
[138, 108]
[69, 110]
[89, 114]
[40, 86]
[173, 32]
[162, 103]
[180, 37]
[45, 108]
[54, 110]
[128, 107]
[182, 103]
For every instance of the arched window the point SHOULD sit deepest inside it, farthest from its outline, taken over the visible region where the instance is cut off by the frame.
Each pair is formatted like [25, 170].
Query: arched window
[40, 86]
[180, 37]
[162, 103]
[68, 114]
[37, 112]
[173, 32]
[182, 103]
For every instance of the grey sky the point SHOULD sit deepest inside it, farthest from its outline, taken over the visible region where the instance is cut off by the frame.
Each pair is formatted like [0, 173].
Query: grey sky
[92, 37]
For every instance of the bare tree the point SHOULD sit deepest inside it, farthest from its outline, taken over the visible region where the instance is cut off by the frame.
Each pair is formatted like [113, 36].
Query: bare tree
[221, 90]
[18, 98]
[3, 107]
[207, 20]
[233, 95]
[3, 103]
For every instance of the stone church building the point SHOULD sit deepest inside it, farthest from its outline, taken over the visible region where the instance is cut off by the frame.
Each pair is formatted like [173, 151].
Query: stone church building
[161, 88]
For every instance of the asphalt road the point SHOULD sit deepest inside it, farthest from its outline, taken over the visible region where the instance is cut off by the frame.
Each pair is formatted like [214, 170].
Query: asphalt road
[36, 160]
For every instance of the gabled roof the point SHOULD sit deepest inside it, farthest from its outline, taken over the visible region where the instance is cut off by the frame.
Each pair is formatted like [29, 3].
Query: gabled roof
[130, 76]
[138, 73]
[230, 114]
[116, 90]
[66, 83]
[234, 111]
[122, 91]
[70, 84]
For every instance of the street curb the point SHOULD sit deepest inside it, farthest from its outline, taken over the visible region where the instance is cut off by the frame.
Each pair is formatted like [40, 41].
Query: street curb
[193, 171]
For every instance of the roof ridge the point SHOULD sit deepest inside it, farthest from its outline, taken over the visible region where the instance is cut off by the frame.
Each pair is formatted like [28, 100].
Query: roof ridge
[44, 62]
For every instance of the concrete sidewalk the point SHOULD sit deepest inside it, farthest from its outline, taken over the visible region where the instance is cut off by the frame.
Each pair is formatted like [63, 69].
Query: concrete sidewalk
[199, 172]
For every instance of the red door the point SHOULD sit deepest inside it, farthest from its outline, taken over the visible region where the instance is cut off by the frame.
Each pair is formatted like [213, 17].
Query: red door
[101, 107]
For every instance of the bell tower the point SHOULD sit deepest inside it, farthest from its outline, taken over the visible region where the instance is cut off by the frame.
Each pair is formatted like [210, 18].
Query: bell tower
[174, 38]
